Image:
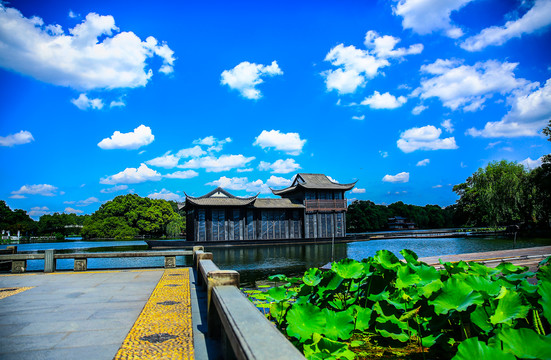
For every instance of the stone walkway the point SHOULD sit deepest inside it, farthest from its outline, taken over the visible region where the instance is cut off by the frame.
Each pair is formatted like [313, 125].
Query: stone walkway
[72, 315]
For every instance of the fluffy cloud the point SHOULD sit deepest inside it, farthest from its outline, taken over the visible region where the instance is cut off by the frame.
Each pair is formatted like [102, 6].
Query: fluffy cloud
[383, 153]
[358, 191]
[290, 143]
[214, 164]
[186, 174]
[84, 103]
[358, 117]
[467, 87]
[164, 194]
[538, 17]
[384, 101]
[94, 55]
[166, 161]
[70, 210]
[193, 152]
[22, 137]
[402, 177]
[530, 112]
[141, 136]
[132, 176]
[246, 76]
[114, 189]
[38, 211]
[39, 189]
[531, 164]
[418, 109]
[243, 183]
[279, 166]
[447, 125]
[424, 138]
[383, 47]
[423, 162]
[424, 17]
[89, 201]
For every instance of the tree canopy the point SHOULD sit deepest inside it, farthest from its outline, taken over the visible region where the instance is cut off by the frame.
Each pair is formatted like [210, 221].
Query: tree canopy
[127, 216]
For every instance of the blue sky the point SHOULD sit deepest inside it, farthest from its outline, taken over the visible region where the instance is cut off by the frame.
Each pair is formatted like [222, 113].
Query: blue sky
[102, 98]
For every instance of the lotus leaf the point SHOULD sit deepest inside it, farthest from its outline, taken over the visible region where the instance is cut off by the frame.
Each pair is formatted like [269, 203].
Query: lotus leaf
[526, 343]
[392, 328]
[338, 325]
[544, 290]
[348, 269]
[277, 310]
[526, 288]
[324, 348]
[482, 284]
[362, 317]
[472, 348]
[428, 289]
[483, 269]
[312, 277]
[544, 272]
[387, 259]
[304, 320]
[508, 268]
[410, 314]
[278, 293]
[430, 340]
[406, 277]
[427, 274]
[383, 295]
[277, 277]
[410, 256]
[509, 307]
[545, 261]
[452, 268]
[481, 319]
[455, 295]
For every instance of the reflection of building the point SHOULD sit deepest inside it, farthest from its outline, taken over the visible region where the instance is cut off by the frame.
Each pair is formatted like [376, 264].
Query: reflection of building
[400, 223]
[312, 207]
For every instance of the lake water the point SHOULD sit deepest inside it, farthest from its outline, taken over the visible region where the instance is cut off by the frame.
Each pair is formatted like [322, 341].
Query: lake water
[258, 262]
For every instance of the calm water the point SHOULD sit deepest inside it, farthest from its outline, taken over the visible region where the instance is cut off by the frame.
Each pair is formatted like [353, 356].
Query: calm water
[257, 262]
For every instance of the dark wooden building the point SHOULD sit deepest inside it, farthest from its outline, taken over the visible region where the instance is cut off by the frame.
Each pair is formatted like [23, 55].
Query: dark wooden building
[312, 207]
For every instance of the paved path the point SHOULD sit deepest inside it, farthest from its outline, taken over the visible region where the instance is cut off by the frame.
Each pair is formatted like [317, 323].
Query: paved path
[72, 315]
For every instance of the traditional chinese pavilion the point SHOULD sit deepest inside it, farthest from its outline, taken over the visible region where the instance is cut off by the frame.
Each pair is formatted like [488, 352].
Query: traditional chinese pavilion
[312, 207]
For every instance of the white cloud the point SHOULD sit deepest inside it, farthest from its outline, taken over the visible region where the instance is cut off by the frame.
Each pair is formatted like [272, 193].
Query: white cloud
[402, 177]
[358, 191]
[84, 103]
[72, 15]
[186, 174]
[383, 153]
[89, 201]
[245, 170]
[426, 16]
[418, 109]
[290, 143]
[94, 55]
[132, 176]
[467, 87]
[214, 164]
[70, 210]
[22, 137]
[424, 138]
[358, 117]
[531, 164]
[437, 186]
[39, 189]
[530, 112]
[384, 101]
[164, 194]
[167, 161]
[356, 66]
[279, 166]
[538, 17]
[193, 152]
[114, 189]
[117, 103]
[246, 76]
[333, 180]
[141, 136]
[243, 183]
[383, 46]
[423, 162]
[38, 211]
[447, 125]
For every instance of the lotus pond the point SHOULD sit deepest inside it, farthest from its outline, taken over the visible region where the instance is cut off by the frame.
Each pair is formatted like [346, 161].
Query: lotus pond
[384, 308]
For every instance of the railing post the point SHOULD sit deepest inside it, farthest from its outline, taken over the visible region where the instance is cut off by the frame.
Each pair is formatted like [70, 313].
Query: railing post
[18, 266]
[81, 264]
[49, 261]
[170, 262]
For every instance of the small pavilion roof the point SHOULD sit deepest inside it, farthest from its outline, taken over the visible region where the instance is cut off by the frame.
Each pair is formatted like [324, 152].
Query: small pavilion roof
[220, 197]
[314, 182]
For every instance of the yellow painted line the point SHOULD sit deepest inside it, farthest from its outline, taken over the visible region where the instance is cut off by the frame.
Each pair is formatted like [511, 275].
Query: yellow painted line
[164, 328]
[5, 292]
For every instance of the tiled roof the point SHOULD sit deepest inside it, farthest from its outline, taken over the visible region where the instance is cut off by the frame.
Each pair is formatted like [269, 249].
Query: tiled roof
[314, 182]
[220, 197]
[276, 204]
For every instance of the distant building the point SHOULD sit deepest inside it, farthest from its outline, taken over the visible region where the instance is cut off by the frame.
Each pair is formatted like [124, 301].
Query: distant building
[312, 207]
[400, 223]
